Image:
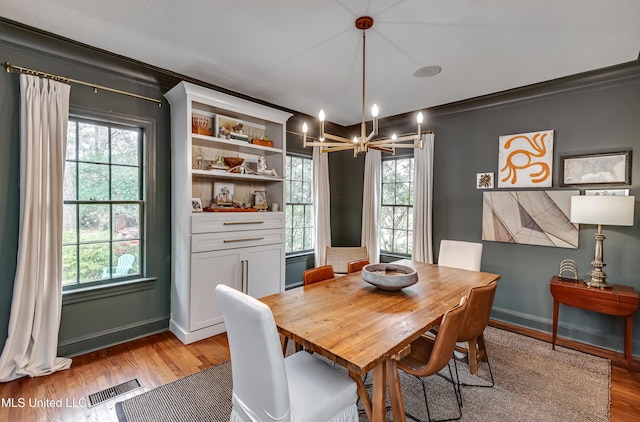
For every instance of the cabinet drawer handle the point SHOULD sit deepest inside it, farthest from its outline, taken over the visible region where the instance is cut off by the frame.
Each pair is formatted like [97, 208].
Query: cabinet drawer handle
[233, 223]
[242, 240]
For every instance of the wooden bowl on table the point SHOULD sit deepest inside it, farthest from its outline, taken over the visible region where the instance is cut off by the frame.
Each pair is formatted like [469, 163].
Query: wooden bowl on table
[233, 162]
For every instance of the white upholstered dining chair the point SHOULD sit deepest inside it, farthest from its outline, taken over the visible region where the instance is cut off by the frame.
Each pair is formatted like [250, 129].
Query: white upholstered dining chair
[268, 387]
[460, 254]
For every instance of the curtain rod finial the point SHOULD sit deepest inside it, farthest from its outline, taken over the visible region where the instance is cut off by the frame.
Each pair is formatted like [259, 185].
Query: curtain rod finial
[7, 66]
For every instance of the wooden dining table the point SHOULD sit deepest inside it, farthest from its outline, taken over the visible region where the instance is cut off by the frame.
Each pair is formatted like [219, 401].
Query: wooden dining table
[363, 328]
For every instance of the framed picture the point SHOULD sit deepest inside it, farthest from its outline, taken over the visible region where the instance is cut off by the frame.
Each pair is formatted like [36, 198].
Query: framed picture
[196, 205]
[223, 192]
[606, 192]
[260, 200]
[525, 160]
[612, 168]
[484, 180]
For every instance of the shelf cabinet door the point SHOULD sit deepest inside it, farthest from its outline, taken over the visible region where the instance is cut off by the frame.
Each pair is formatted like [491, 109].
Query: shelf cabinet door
[208, 269]
[264, 270]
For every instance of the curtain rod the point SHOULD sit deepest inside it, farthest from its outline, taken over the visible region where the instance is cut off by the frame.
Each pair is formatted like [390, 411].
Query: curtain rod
[9, 67]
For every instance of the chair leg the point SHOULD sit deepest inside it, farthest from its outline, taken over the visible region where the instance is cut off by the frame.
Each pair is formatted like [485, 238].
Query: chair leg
[482, 354]
[456, 392]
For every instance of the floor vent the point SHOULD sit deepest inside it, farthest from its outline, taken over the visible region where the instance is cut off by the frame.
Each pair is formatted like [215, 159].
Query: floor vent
[113, 392]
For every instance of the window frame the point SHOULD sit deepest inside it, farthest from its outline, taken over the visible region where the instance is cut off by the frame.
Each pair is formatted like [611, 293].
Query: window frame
[287, 204]
[146, 151]
[409, 231]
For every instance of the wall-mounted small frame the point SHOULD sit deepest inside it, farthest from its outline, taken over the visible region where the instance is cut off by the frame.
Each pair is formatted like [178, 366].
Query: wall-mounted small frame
[610, 168]
[484, 180]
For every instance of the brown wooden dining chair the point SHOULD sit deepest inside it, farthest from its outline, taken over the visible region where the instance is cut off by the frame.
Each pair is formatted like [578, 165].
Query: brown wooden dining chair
[315, 275]
[428, 356]
[476, 319]
[355, 266]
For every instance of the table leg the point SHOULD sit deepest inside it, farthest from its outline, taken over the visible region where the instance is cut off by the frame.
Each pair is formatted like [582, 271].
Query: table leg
[379, 394]
[395, 392]
[556, 304]
[628, 339]
[363, 393]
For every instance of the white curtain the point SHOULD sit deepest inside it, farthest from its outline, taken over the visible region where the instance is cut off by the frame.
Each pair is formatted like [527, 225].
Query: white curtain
[371, 203]
[31, 345]
[321, 205]
[422, 201]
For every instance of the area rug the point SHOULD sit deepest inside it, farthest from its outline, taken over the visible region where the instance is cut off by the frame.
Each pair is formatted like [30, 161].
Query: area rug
[532, 383]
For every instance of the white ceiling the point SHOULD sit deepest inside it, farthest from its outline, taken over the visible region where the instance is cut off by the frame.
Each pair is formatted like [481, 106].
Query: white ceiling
[306, 55]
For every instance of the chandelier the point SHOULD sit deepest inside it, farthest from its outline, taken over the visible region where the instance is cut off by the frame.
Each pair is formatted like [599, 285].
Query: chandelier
[364, 142]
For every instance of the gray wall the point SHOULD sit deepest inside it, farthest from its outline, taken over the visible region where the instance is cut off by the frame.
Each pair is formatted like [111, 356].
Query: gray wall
[97, 318]
[593, 112]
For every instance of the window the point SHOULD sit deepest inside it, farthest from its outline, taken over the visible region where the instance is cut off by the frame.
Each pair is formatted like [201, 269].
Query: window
[103, 203]
[299, 204]
[396, 231]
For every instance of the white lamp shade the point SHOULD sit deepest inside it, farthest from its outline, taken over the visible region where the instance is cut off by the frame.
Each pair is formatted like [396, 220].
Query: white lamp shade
[603, 210]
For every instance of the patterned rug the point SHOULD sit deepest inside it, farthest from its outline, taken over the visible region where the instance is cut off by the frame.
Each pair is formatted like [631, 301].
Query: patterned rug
[532, 383]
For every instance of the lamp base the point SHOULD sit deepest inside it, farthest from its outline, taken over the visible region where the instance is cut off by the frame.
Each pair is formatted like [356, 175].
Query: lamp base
[598, 279]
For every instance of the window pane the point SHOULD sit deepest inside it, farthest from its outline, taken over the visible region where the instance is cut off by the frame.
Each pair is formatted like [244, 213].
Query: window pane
[296, 169]
[125, 183]
[298, 239]
[71, 140]
[307, 173]
[386, 217]
[288, 234]
[93, 143]
[287, 191]
[400, 220]
[298, 216]
[289, 216]
[124, 146]
[400, 241]
[404, 172]
[93, 182]
[388, 171]
[307, 195]
[94, 261]
[69, 183]
[126, 218]
[296, 192]
[308, 215]
[308, 239]
[94, 222]
[403, 194]
[69, 264]
[69, 228]
[386, 240]
[388, 193]
[126, 258]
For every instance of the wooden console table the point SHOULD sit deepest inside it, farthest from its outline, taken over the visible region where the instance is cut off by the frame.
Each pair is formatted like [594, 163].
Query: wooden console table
[617, 300]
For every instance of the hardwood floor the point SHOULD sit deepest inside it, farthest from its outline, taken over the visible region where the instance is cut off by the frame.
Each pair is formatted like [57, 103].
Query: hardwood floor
[161, 358]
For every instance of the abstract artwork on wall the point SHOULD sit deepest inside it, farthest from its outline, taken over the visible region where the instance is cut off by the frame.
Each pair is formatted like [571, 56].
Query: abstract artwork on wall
[529, 217]
[484, 181]
[526, 160]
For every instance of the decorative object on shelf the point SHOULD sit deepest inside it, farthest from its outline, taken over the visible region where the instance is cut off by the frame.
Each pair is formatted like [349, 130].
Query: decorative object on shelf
[260, 201]
[484, 181]
[568, 270]
[262, 165]
[526, 160]
[529, 217]
[389, 276]
[196, 205]
[612, 168]
[263, 142]
[275, 207]
[234, 163]
[199, 158]
[606, 192]
[223, 192]
[364, 141]
[201, 124]
[601, 210]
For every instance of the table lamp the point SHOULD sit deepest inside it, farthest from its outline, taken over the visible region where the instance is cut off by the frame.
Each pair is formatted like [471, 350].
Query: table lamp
[601, 210]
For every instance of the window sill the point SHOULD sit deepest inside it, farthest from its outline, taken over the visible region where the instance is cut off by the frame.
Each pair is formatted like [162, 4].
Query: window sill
[108, 290]
[299, 254]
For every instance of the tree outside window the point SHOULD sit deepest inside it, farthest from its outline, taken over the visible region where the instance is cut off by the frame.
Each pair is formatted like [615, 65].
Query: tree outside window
[396, 232]
[103, 203]
[299, 204]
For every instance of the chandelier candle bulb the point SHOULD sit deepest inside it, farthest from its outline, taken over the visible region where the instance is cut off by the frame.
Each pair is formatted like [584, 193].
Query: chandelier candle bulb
[305, 128]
